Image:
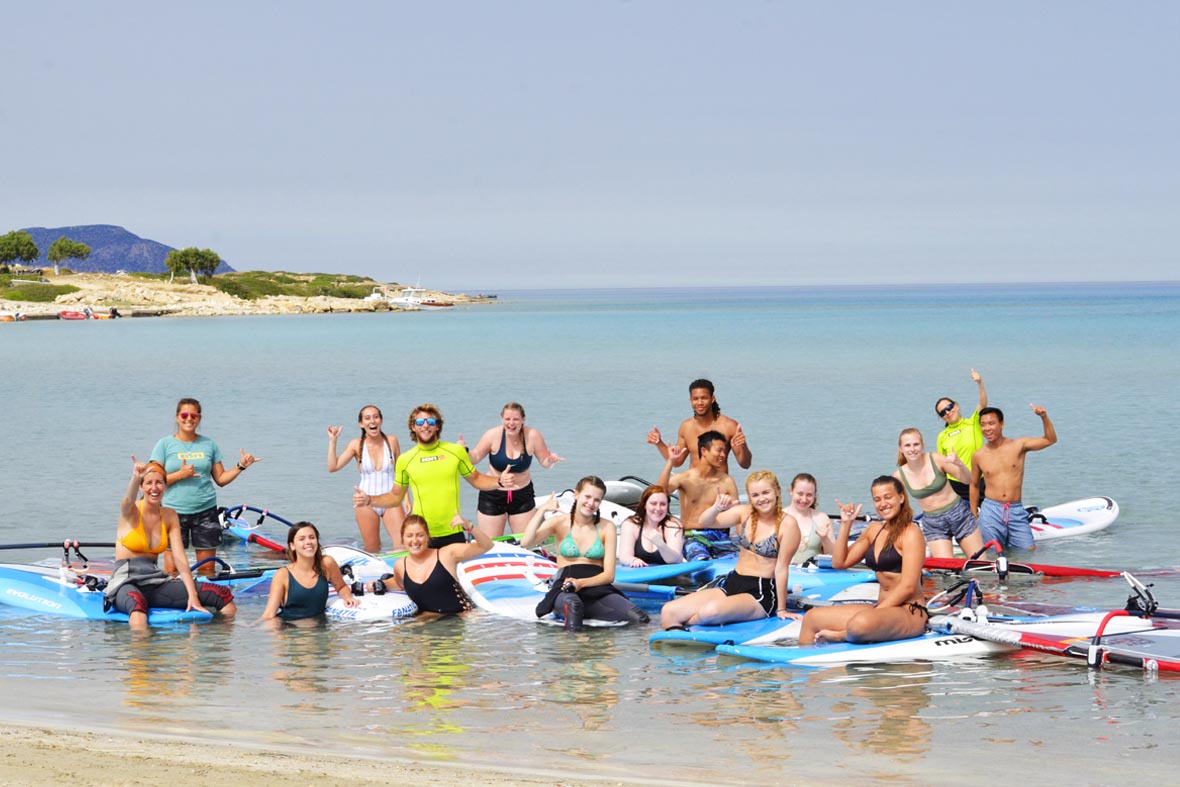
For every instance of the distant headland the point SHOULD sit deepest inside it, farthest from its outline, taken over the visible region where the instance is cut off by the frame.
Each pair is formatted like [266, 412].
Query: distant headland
[130, 275]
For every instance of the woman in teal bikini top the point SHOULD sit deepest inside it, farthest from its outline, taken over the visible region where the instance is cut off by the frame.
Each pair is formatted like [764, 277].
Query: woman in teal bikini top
[569, 548]
[586, 560]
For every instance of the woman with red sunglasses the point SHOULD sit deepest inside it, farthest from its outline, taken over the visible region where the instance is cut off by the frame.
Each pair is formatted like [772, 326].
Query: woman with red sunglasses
[193, 462]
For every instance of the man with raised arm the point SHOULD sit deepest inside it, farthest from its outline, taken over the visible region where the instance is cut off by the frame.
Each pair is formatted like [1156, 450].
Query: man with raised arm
[1002, 517]
[706, 416]
[698, 488]
[432, 469]
[961, 435]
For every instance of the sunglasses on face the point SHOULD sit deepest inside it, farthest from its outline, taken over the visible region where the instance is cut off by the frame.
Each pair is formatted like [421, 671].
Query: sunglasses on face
[189, 416]
[943, 412]
[426, 421]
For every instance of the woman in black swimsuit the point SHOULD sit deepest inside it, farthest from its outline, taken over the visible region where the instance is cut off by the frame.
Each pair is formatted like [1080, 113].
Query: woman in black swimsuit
[510, 446]
[428, 575]
[895, 549]
[654, 525]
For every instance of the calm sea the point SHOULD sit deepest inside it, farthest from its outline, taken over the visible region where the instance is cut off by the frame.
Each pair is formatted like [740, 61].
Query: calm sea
[821, 379]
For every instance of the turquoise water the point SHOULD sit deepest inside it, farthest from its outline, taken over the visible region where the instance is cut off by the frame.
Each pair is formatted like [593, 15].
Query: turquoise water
[822, 380]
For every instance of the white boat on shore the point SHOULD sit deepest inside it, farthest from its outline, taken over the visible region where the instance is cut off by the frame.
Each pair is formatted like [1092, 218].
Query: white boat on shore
[408, 298]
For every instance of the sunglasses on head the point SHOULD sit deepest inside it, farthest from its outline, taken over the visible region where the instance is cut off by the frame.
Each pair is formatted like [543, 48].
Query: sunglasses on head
[943, 412]
[189, 416]
[426, 421]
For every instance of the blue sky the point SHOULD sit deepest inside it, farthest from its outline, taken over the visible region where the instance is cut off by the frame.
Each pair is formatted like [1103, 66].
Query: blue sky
[479, 145]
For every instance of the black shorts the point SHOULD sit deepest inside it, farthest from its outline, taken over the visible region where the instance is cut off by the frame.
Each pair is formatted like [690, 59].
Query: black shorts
[169, 595]
[497, 502]
[201, 530]
[763, 589]
[438, 542]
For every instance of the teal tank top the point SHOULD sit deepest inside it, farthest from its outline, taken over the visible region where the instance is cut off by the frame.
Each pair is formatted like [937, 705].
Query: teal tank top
[304, 602]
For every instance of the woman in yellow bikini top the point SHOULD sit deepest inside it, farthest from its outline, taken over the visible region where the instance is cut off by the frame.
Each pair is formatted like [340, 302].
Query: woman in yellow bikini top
[139, 541]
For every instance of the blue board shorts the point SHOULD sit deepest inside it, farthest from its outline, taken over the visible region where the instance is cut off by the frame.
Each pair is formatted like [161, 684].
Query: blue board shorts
[1006, 523]
[958, 522]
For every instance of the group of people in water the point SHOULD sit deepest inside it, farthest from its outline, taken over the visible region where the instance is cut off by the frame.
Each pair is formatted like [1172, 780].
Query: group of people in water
[968, 491]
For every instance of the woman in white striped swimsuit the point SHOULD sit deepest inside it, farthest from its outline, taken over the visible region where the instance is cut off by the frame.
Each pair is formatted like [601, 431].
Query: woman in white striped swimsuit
[375, 454]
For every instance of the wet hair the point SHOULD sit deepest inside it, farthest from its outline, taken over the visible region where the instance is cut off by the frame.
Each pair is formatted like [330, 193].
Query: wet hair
[904, 516]
[585, 481]
[765, 475]
[904, 432]
[318, 559]
[701, 382]
[188, 400]
[706, 439]
[431, 411]
[810, 479]
[415, 519]
[359, 454]
[517, 406]
[640, 515]
[997, 412]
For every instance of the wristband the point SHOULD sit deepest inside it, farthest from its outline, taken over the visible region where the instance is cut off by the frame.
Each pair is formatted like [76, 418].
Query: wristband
[240, 467]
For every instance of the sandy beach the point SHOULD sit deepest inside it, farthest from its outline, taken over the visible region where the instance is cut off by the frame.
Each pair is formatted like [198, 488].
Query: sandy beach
[134, 296]
[42, 756]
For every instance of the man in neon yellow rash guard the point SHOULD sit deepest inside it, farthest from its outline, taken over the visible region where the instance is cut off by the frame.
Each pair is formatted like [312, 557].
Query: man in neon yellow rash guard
[961, 435]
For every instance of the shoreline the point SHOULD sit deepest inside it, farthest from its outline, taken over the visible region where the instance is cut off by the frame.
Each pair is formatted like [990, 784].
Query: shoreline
[135, 297]
[40, 754]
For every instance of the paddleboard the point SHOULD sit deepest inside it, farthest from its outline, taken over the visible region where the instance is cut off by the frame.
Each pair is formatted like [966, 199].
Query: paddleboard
[930, 646]
[392, 605]
[364, 567]
[770, 629]
[1075, 518]
[937, 644]
[1127, 639]
[43, 590]
[510, 581]
[655, 573]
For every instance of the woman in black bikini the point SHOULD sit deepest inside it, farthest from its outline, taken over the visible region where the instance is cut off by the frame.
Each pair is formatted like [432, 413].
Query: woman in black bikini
[653, 525]
[511, 446]
[895, 549]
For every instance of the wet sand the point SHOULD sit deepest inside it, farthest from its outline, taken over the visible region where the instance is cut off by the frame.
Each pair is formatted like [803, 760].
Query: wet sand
[35, 756]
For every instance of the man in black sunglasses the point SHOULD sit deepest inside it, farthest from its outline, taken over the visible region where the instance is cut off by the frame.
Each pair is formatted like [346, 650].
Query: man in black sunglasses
[961, 435]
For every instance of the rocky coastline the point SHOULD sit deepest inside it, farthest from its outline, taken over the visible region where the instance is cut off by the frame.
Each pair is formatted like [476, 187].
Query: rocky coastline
[138, 297]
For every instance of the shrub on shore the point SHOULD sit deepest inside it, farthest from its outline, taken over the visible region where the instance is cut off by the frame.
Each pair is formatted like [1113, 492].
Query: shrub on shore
[251, 285]
[32, 293]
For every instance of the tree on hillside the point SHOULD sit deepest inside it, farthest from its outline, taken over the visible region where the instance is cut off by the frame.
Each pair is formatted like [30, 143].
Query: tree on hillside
[18, 245]
[65, 249]
[193, 260]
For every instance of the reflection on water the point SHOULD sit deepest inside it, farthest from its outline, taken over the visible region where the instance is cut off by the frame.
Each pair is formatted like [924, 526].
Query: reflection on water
[883, 711]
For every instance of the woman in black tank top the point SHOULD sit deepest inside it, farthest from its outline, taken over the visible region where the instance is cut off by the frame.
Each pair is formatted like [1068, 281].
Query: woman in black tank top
[897, 549]
[654, 523]
[427, 575]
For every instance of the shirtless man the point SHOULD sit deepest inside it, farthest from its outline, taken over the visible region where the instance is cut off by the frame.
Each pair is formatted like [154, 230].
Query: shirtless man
[1002, 517]
[699, 487]
[706, 416]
